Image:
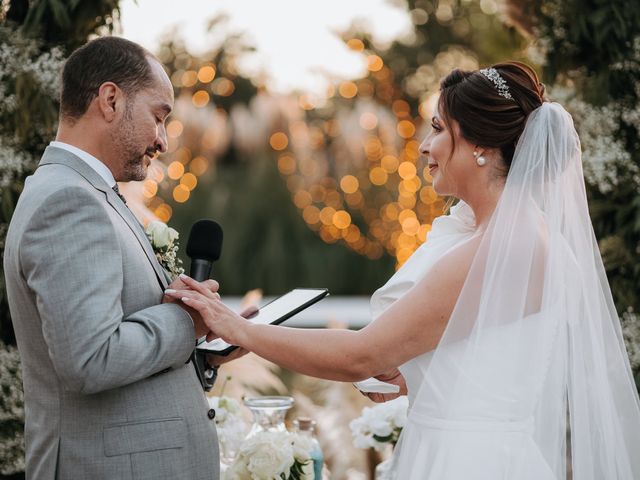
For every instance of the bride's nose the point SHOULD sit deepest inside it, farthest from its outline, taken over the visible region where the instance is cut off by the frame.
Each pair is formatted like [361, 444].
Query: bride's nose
[425, 146]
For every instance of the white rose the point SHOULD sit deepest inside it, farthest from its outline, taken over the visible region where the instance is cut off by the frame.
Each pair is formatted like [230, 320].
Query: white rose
[173, 235]
[160, 234]
[381, 427]
[301, 447]
[238, 470]
[270, 454]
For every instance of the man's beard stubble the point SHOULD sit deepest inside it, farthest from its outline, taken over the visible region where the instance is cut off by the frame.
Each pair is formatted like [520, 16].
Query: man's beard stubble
[133, 167]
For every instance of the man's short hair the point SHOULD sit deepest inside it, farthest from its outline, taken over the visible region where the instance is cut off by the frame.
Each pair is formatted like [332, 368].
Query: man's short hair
[106, 59]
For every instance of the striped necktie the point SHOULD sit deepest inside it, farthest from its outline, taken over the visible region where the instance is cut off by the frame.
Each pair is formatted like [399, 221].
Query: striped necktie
[117, 190]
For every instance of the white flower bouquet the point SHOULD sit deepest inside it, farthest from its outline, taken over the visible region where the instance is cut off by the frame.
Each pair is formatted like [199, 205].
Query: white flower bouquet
[380, 425]
[164, 241]
[272, 456]
[230, 425]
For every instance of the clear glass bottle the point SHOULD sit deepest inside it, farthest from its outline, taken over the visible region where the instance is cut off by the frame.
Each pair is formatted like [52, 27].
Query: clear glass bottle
[306, 426]
[268, 413]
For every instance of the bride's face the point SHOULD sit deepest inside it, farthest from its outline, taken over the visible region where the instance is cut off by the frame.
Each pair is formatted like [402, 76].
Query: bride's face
[450, 163]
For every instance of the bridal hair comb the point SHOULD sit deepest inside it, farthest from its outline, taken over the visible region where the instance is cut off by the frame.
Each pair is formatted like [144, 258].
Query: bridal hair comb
[499, 82]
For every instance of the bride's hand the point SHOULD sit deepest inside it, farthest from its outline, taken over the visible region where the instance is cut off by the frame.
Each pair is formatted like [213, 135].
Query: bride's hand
[219, 319]
[395, 378]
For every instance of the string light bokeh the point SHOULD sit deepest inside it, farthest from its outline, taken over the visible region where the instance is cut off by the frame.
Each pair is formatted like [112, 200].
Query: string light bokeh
[349, 158]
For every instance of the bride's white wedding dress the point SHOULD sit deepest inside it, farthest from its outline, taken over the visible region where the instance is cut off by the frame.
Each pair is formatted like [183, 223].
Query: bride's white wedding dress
[491, 441]
[534, 337]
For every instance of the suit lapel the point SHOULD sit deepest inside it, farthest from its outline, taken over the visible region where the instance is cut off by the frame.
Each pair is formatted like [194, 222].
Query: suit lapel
[63, 157]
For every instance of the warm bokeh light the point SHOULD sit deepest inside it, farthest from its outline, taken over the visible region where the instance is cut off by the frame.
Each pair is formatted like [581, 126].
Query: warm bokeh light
[302, 199]
[206, 74]
[374, 63]
[311, 214]
[355, 44]
[326, 215]
[407, 170]
[174, 128]
[181, 193]
[349, 184]
[406, 129]
[400, 108]
[149, 188]
[223, 87]
[189, 180]
[378, 176]
[428, 195]
[368, 120]
[348, 89]
[200, 98]
[189, 78]
[341, 219]
[389, 163]
[198, 165]
[175, 170]
[286, 164]
[163, 212]
[279, 141]
[410, 226]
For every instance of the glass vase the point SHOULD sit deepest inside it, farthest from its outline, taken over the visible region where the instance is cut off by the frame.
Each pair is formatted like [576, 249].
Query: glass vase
[268, 413]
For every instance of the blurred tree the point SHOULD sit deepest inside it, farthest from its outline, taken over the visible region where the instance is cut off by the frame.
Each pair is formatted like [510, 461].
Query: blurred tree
[224, 143]
[35, 38]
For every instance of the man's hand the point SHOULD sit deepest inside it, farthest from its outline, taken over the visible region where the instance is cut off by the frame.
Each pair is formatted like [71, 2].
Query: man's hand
[394, 377]
[198, 322]
[178, 284]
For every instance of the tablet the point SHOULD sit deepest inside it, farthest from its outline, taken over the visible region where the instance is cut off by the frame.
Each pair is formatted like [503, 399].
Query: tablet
[273, 313]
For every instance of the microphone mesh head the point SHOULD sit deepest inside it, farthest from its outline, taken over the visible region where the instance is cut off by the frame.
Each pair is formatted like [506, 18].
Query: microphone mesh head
[205, 240]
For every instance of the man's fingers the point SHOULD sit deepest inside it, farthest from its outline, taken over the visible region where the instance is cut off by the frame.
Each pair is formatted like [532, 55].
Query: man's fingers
[211, 285]
[197, 286]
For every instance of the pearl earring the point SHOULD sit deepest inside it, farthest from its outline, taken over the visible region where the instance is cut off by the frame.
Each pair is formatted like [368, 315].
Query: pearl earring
[480, 160]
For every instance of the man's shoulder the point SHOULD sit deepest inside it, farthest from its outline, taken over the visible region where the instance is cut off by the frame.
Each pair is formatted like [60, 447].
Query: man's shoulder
[54, 188]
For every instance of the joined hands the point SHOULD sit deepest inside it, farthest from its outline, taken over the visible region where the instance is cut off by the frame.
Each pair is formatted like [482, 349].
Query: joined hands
[210, 316]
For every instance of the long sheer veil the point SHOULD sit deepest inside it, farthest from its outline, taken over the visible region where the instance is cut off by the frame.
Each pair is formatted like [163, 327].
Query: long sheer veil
[534, 337]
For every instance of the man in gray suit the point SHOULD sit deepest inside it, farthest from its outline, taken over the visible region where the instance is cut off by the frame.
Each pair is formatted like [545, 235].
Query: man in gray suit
[109, 391]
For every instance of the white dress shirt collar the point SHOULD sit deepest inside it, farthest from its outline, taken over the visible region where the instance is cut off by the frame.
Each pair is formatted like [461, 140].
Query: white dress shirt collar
[99, 167]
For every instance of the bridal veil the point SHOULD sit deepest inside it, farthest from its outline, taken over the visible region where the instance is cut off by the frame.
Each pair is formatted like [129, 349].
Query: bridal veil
[534, 340]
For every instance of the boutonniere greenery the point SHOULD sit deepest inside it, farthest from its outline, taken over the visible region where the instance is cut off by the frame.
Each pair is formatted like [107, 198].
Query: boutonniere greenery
[164, 241]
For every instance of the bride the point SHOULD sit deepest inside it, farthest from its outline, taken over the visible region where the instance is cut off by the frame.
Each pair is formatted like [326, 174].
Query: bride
[502, 325]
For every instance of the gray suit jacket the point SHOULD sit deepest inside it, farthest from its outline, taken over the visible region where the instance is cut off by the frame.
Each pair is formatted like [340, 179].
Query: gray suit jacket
[108, 392]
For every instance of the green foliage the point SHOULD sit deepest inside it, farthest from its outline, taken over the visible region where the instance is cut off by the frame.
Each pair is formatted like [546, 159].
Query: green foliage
[11, 412]
[34, 39]
[595, 45]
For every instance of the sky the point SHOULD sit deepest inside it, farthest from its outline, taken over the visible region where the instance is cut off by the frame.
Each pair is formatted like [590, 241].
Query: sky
[297, 42]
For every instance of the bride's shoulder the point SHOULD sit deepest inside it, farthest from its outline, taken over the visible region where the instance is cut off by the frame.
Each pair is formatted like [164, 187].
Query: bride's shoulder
[453, 266]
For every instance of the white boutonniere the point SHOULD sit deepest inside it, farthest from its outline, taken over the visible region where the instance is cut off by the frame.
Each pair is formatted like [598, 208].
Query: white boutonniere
[164, 241]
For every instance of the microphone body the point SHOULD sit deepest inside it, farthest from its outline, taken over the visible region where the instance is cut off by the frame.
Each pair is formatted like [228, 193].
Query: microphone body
[200, 269]
[203, 248]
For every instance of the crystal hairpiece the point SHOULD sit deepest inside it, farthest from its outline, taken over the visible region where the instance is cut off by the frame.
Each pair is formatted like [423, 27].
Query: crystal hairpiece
[500, 83]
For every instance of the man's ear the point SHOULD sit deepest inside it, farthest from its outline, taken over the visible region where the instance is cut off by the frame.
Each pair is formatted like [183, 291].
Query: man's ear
[108, 95]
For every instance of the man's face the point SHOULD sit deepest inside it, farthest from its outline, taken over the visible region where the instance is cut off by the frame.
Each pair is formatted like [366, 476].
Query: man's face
[141, 132]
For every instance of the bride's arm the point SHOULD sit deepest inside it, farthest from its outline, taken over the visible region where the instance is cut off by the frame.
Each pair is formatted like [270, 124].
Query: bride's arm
[411, 326]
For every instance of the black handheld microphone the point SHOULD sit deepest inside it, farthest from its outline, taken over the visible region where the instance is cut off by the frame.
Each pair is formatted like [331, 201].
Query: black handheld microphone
[203, 248]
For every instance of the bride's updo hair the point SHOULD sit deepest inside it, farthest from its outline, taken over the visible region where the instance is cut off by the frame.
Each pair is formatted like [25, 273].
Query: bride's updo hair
[486, 118]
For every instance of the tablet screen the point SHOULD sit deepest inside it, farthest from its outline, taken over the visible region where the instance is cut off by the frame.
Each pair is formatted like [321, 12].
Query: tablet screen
[275, 312]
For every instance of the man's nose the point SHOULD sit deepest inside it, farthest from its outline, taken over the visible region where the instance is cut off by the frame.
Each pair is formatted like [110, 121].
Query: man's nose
[161, 140]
